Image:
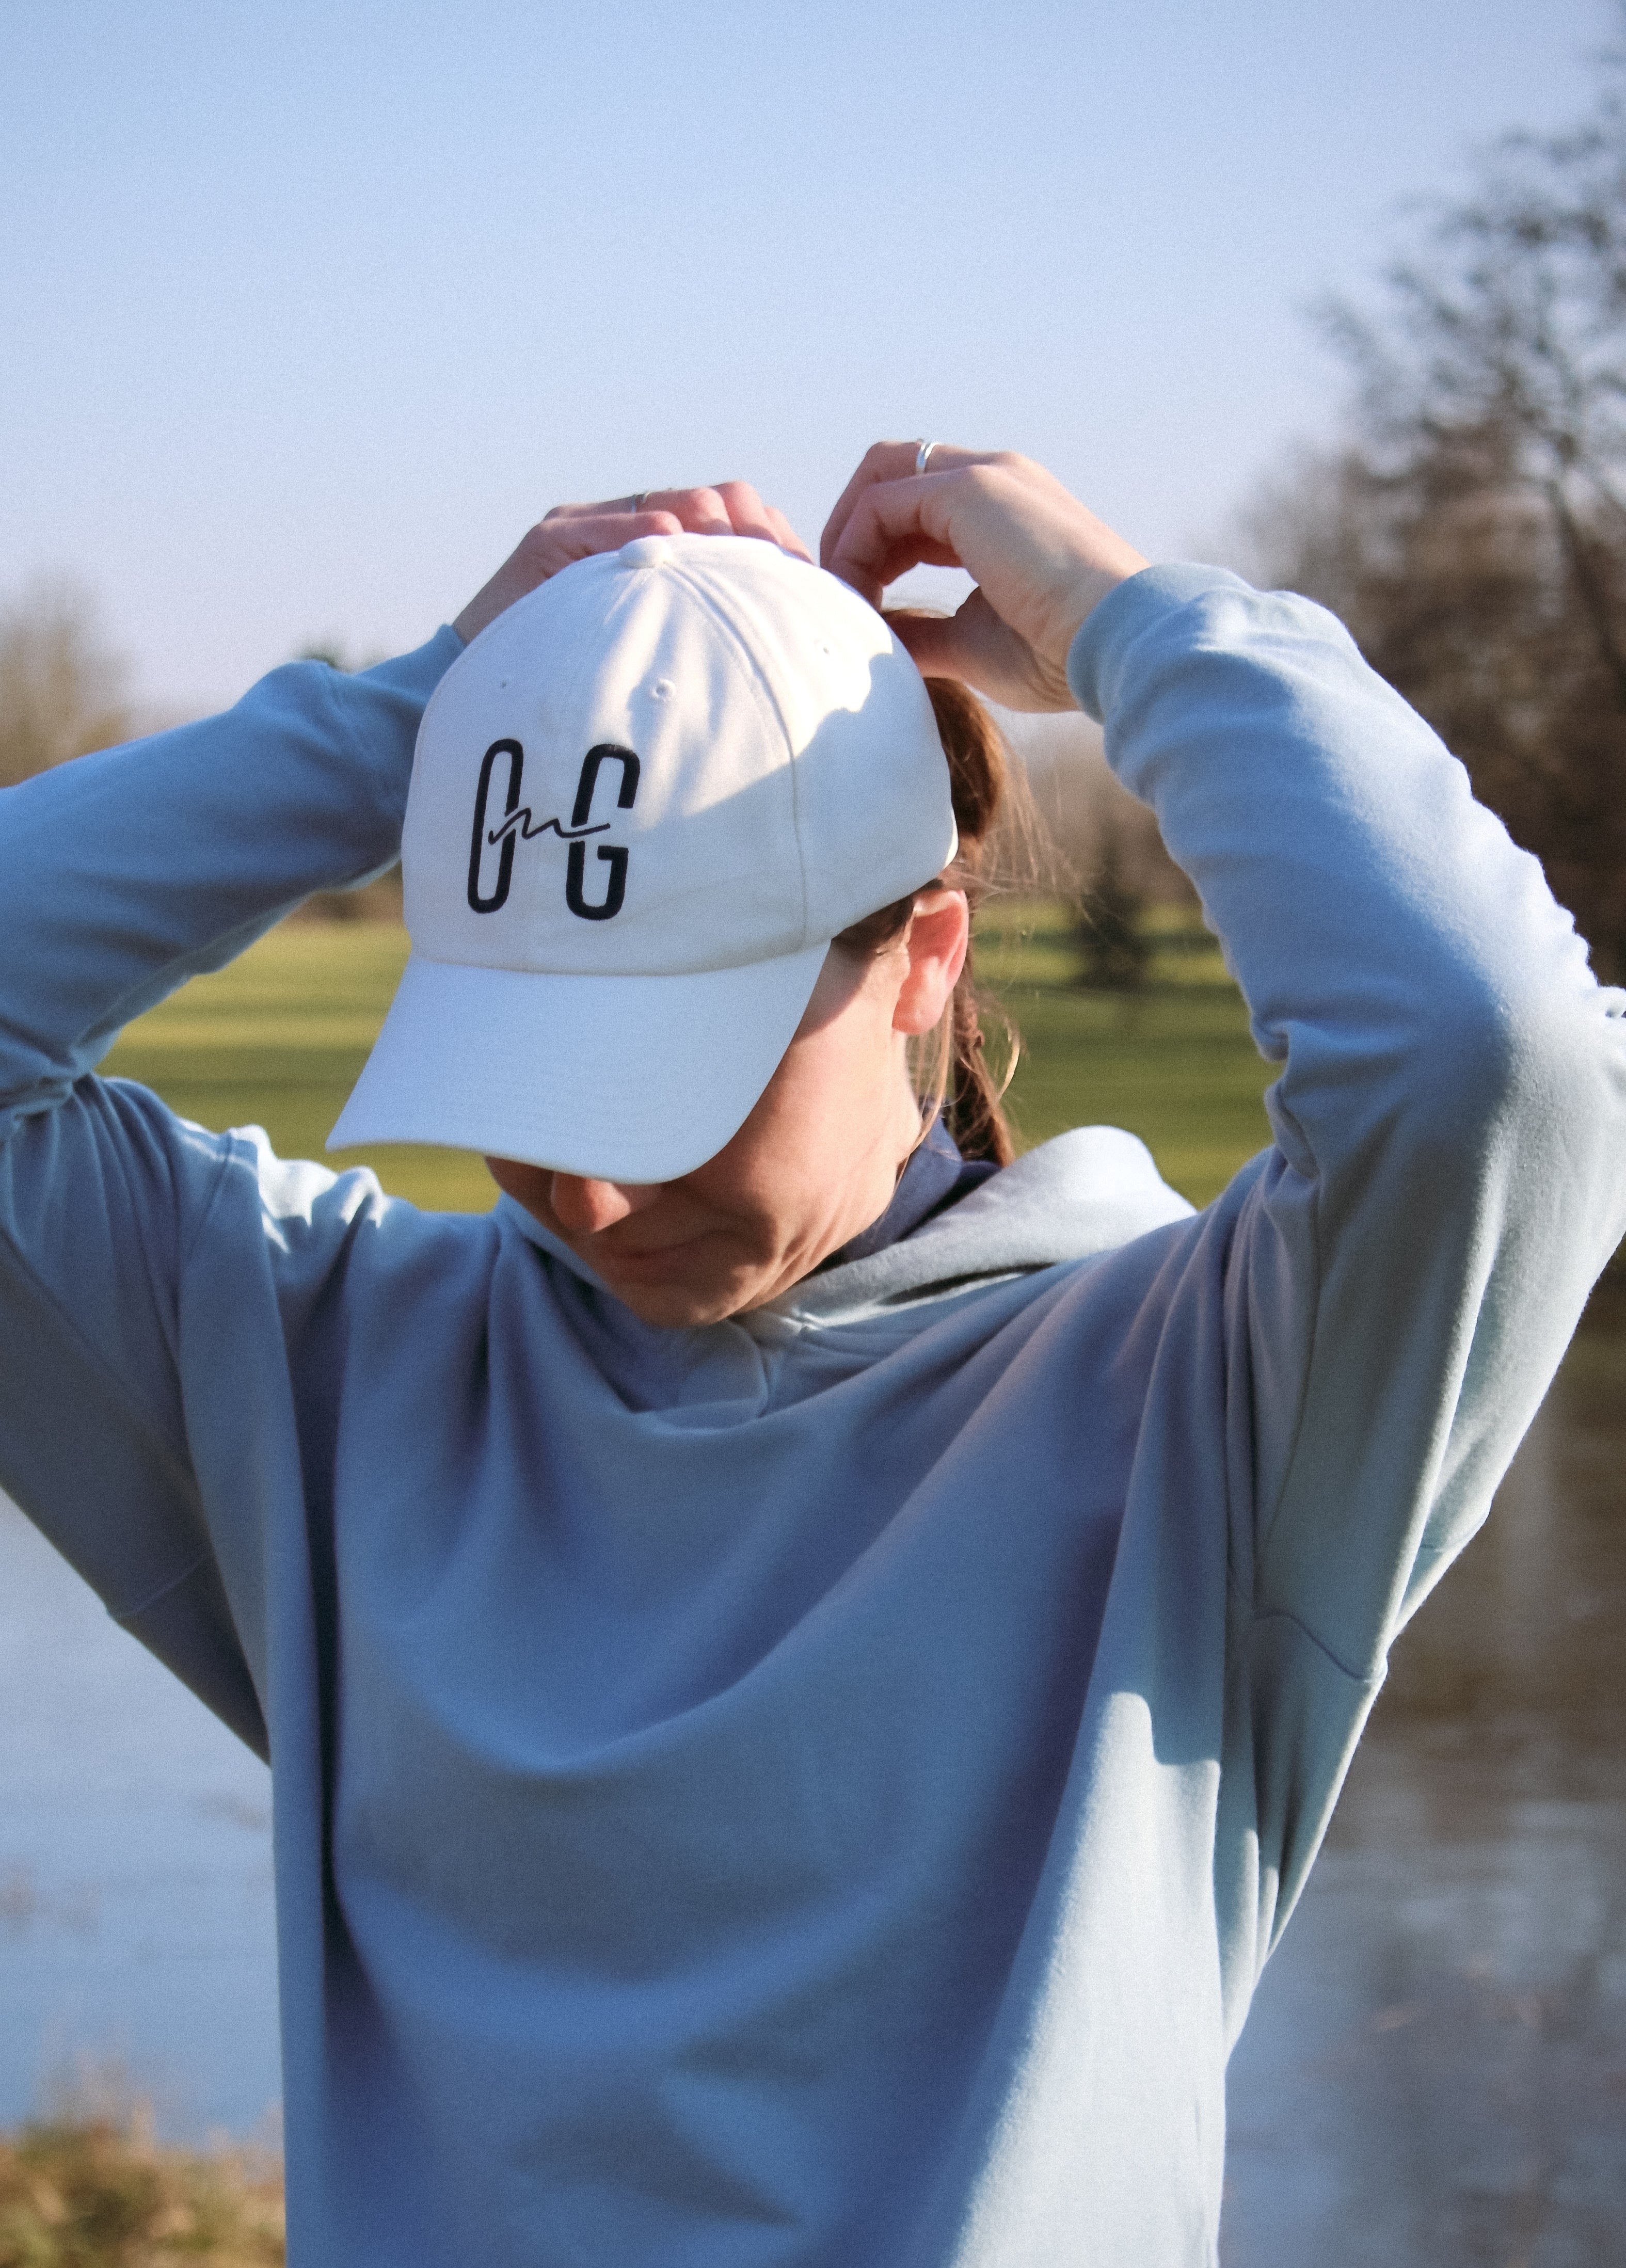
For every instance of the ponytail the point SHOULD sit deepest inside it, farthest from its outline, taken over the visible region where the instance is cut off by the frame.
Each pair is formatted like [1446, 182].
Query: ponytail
[979, 772]
[959, 1083]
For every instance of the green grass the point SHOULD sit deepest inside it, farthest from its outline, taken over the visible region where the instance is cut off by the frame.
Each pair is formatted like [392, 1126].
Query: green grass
[1174, 1063]
[278, 1039]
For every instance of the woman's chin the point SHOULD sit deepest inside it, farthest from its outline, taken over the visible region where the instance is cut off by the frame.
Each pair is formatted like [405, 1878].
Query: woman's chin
[677, 1291]
[678, 1306]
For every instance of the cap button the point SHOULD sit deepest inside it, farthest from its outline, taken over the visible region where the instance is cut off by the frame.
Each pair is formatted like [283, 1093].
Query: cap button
[646, 551]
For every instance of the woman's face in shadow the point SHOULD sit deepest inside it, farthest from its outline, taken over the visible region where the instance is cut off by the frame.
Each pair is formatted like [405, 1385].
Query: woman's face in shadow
[816, 1161]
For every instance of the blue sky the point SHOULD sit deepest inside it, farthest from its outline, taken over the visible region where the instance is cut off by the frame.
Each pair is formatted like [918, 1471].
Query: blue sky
[306, 311]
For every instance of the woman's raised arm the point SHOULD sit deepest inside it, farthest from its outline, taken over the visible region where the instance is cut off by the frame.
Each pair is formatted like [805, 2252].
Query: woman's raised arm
[1401, 1274]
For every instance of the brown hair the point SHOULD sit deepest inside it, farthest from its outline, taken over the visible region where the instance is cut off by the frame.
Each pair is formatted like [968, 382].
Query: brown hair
[960, 1083]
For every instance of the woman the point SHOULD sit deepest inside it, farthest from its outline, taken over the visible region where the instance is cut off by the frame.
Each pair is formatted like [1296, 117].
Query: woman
[802, 1681]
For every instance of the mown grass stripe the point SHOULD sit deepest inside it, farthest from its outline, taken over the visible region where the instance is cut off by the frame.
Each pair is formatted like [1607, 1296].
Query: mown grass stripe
[278, 1039]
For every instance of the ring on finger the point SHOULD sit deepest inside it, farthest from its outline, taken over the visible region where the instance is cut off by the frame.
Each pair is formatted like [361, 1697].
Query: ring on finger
[922, 454]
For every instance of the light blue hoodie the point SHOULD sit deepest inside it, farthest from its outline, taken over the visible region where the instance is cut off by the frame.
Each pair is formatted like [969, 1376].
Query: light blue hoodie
[818, 1789]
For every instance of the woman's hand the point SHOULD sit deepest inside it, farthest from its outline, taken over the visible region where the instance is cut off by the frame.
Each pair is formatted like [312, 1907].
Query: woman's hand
[1040, 561]
[570, 532]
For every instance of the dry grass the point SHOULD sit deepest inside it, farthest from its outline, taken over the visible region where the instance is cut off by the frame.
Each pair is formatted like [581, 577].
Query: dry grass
[100, 2193]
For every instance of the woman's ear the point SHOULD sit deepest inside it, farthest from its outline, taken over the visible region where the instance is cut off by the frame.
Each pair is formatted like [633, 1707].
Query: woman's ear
[936, 941]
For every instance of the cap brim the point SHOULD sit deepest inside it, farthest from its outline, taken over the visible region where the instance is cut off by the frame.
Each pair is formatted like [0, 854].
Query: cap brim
[627, 1078]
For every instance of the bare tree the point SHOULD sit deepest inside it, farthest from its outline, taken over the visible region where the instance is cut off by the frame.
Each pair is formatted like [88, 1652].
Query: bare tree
[1473, 531]
[62, 690]
[1115, 952]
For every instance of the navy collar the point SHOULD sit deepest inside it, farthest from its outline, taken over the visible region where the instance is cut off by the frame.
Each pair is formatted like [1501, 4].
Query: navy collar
[934, 1177]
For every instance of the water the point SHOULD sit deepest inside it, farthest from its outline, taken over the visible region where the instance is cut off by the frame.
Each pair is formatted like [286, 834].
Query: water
[1435, 2067]
[136, 1900]
[1435, 2070]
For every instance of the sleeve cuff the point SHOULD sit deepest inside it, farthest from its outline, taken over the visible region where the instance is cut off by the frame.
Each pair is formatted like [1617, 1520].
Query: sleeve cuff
[1100, 647]
[416, 674]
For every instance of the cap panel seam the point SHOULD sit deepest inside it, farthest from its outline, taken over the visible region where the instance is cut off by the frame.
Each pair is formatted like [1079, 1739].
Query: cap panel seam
[619, 600]
[763, 694]
[588, 661]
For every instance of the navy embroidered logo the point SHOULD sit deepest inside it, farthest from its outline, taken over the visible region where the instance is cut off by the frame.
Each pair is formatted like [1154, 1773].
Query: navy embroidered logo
[614, 856]
[518, 825]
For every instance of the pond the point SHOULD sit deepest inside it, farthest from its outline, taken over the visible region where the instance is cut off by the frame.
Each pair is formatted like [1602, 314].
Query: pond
[1435, 2069]
[137, 1946]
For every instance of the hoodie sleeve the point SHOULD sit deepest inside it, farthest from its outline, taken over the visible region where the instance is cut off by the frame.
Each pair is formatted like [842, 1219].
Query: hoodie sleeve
[121, 875]
[1449, 1169]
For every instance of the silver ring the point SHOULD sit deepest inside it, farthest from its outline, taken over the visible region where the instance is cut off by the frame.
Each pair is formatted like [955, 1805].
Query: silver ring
[920, 455]
[641, 499]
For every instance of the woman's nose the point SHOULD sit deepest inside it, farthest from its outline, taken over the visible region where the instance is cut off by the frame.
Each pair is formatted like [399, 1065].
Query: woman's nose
[582, 1207]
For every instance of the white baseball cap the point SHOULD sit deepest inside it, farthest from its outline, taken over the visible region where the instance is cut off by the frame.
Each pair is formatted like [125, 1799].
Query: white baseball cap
[642, 802]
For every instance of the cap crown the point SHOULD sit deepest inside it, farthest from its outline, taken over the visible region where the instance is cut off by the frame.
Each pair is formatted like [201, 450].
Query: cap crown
[696, 752]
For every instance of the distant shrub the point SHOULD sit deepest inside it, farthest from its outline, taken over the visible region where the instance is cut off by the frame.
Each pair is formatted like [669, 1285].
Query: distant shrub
[100, 2193]
[1117, 952]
